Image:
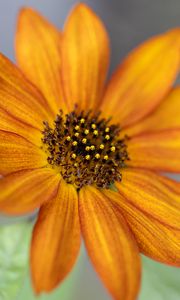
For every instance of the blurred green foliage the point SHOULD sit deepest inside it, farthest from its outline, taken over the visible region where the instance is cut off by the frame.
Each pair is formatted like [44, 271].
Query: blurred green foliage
[159, 282]
[14, 243]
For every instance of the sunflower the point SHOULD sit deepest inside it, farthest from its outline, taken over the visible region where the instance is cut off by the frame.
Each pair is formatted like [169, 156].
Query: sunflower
[89, 153]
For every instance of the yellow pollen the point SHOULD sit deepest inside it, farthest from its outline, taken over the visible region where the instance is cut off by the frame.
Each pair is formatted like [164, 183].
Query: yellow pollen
[68, 138]
[113, 149]
[86, 131]
[93, 126]
[82, 120]
[84, 141]
[85, 148]
[101, 146]
[95, 132]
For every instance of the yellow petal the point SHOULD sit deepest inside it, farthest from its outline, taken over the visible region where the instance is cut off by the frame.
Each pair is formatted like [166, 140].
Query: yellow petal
[166, 116]
[38, 45]
[110, 244]
[19, 98]
[159, 151]
[22, 192]
[85, 58]
[143, 79]
[150, 204]
[56, 239]
[16, 153]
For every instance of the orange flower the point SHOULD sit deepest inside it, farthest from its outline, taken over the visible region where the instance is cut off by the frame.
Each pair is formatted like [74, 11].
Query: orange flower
[87, 173]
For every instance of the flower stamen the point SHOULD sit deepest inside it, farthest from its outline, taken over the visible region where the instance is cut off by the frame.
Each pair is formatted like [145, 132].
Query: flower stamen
[84, 149]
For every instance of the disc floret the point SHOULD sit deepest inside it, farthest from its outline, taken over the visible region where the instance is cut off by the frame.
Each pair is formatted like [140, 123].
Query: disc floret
[86, 149]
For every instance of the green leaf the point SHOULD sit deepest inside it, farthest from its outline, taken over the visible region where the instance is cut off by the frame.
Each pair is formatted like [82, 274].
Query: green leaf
[66, 290]
[15, 281]
[14, 244]
[159, 282]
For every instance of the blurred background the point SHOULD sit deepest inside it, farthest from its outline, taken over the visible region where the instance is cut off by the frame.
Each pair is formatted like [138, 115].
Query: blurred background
[128, 22]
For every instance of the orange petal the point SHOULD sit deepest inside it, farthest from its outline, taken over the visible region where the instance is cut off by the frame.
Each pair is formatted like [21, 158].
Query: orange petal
[150, 204]
[156, 151]
[56, 239]
[155, 195]
[19, 98]
[110, 244]
[38, 46]
[143, 79]
[16, 153]
[10, 123]
[85, 58]
[22, 192]
[166, 116]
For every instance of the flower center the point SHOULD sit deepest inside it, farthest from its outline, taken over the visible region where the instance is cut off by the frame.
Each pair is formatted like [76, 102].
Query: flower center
[85, 148]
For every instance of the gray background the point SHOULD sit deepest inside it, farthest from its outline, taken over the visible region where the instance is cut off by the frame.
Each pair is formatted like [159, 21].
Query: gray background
[128, 22]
